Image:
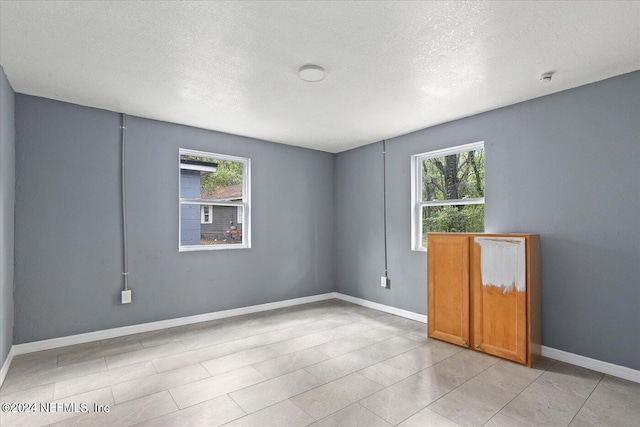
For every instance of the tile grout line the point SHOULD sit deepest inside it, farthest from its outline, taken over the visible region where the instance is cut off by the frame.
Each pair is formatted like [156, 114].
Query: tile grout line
[239, 406]
[585, 401]
[447, 393]
[372, 413]
[175, 403]
[518, 394]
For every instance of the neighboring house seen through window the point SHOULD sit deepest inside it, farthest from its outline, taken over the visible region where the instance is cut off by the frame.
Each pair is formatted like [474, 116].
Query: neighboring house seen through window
[214, 201]
[447, 192]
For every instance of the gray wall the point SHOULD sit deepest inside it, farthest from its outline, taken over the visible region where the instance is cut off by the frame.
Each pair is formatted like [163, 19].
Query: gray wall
[566, 166]
[7, 201]
[68, 230]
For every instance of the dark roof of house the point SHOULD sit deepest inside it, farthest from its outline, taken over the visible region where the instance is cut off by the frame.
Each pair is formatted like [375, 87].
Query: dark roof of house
[231, 192]
[198, 163]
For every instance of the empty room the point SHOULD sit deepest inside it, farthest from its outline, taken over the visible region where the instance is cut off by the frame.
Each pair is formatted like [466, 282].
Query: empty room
[327, 213]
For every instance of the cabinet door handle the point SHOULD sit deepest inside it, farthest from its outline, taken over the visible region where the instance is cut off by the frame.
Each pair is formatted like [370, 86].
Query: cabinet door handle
[464, 343]
[477, 347]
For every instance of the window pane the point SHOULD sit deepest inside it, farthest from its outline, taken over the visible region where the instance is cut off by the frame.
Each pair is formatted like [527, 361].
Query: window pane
[225, 184]
[222, 228]
[451, 219]
[457, 176]
[212, 196]
[208, 178]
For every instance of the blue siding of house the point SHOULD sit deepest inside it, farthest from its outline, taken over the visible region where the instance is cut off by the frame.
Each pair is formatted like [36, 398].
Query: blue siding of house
[189, 214]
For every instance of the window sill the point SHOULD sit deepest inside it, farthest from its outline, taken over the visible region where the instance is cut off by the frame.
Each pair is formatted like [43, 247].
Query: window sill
[211, 248]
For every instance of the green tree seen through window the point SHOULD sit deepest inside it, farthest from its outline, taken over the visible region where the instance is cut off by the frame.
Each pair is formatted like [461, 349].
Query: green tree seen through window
[456, 177]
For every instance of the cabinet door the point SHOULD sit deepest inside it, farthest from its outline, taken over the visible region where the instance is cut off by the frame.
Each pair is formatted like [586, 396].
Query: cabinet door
[499, 296]
[448, 288]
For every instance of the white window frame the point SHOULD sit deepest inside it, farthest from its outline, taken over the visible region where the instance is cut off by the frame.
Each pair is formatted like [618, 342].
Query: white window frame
[239, 216]
[203, 218]
[416, 190]
[245, 203]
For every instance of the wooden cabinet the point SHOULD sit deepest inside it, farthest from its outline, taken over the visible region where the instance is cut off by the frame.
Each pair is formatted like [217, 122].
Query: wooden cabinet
[448, 288]
[484, 293]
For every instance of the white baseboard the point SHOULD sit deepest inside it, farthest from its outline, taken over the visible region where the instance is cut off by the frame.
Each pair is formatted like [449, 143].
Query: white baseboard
[552, 353]
[593, 364]
[386, 308]
[6, 365]
[32, 347]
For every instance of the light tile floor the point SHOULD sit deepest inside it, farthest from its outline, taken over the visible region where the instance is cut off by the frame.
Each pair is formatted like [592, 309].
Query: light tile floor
[324, 364]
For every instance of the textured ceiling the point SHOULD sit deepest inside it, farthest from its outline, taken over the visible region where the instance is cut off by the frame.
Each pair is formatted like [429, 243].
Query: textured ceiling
[392, 67]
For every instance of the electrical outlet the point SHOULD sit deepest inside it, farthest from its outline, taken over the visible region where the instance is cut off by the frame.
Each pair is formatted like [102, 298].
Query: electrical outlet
[384, 281]
[126, 296]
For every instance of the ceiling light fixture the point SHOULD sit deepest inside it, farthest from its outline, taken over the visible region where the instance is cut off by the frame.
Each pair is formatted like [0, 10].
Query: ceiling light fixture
[311, 73]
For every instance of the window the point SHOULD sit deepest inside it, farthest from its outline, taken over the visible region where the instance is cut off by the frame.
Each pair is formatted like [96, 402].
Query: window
[214, 201]
[447, 192]
[206, 216]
